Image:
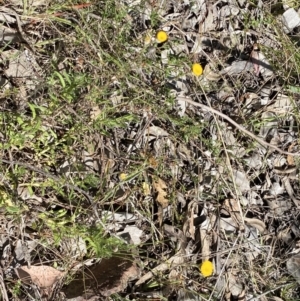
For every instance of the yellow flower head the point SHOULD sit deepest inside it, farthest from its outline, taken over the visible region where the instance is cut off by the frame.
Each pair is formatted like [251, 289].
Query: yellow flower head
[207, 268]
[161, 36]
[123, 176]
[197, 69]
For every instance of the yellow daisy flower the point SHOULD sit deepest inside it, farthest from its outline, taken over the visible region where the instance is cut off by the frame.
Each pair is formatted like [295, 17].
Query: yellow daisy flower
[207, 268]
[123, 176]
[197, 69]
[161, 36]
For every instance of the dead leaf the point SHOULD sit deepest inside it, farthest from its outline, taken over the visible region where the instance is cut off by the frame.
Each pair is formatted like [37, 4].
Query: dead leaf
[22, 65]
[209, 23]
[157, 131]
[282, 105]
[241, 180]
[256, 223]
[6, 16]
[43, 276]
[189, 227]
[260, 63]
[228, 224]
[181, 104]
[175, 234]
[293, 266]
[205, 244]
[210, 74]
[132, 233]
[290, 191]
[290, 159]
[237, 67]
[109, 276]
[232, 207]
[9, 36]
[160, 187]
[235, 289]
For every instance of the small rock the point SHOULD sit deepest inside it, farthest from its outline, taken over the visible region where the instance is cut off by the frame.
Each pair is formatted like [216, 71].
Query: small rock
[291, 19]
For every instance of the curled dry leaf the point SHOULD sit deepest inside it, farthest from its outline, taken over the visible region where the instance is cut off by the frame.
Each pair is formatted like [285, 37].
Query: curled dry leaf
[189, 227]
[43, 276]
[160, 187]
[210, 74]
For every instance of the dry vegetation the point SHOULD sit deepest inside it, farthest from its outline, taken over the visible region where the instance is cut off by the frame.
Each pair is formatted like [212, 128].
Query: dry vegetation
[149, 150]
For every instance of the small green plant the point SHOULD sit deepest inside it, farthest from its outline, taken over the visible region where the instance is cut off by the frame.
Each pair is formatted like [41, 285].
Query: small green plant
[101, 245]
[16, 289]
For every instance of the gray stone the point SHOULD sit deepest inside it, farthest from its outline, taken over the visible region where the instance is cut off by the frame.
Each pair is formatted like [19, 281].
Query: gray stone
[291, 19]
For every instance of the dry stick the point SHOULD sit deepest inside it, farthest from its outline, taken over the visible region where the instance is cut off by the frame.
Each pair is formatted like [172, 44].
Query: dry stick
[239, 127]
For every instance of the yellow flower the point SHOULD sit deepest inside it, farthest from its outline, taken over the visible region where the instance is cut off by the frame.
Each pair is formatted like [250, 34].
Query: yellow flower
[197, 69]
[207, 268]
[123, 176]
[161, 36]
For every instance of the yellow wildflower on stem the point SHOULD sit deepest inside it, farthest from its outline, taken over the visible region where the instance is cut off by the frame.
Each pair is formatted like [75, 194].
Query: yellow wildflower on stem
[207, 268]
[197, 69]
[161, 36]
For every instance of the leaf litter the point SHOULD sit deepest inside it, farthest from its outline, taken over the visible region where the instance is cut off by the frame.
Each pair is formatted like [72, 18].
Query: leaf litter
[189, 156]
